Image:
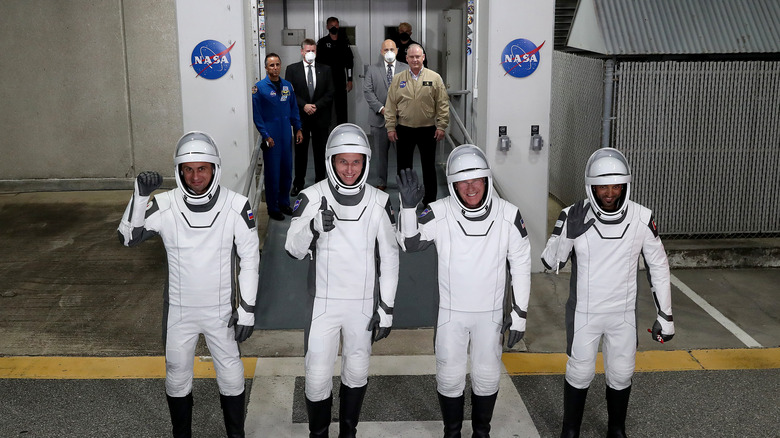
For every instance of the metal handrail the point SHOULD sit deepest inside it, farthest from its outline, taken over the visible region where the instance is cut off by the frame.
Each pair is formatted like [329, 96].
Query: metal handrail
[456, 117]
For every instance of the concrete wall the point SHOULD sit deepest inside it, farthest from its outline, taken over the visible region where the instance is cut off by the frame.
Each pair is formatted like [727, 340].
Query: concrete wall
[92, 91]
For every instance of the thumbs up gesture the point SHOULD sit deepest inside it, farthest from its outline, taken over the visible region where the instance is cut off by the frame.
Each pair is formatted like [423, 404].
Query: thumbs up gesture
[324, 220]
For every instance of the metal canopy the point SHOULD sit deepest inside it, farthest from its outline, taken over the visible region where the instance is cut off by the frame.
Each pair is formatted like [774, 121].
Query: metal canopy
[670, 27]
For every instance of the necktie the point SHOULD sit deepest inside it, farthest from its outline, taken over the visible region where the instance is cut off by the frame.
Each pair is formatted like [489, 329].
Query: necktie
[310, 82]
[389, 74]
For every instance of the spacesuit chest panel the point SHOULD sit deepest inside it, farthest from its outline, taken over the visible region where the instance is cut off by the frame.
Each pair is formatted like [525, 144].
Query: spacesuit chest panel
[198, 246]
[345, 255]
[475, 261]
[607, 259]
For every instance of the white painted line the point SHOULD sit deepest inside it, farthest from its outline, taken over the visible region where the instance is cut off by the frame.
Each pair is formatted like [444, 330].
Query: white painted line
[269, 412]
[712, 311]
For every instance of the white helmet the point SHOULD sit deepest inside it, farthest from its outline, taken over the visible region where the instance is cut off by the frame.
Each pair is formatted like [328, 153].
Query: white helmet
[466, 162]
[196, 147]
[607, 166]
[347, 138]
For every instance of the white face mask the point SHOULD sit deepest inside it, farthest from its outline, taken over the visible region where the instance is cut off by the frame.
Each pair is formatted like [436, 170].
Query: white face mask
[389, 56]
[309, 57]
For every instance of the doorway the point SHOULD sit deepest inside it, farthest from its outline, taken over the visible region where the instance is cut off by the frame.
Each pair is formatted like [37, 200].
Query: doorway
[368, 24]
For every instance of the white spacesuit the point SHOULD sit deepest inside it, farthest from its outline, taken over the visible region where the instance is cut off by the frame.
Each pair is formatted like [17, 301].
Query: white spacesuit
[347, 231]
[474, 244]
[605, 245]
[200, 232]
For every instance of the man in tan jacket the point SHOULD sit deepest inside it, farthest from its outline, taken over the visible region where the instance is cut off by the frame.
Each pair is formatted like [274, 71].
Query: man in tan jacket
[417, 113]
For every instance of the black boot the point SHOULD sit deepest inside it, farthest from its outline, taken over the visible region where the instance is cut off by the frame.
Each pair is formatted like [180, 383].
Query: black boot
[233, 412]
[319, 417]
[481, 414]
[573, 407]
[452, 415]
[181, 415]
[350, 402]
[617, 406]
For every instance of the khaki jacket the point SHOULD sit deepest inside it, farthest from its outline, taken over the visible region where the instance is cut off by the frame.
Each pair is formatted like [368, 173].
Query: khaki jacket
[417, 103]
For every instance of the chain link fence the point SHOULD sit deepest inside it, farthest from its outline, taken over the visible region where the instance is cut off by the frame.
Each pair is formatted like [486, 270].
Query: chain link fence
[703, 140]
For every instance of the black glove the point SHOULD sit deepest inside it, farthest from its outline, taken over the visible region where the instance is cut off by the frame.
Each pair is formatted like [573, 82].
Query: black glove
[377, 332]
[514, 335]
[243, 332]
[657, 335]
[575, 222]
[409, 188]
[148, 182]
[323, 221]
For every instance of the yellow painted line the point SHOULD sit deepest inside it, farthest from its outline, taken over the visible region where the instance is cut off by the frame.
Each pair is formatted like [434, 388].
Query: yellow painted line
[61, 367]
[651, 361]
[739, 359]
[534, 363]
[660, 360]
[153, 367]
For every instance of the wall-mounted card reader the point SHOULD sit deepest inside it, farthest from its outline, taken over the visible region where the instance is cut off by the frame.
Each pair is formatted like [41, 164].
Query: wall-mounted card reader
[536, 140]
[504, 143]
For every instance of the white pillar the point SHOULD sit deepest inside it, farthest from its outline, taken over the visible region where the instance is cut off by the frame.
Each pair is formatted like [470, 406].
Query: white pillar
[508, 33]
[216, 92]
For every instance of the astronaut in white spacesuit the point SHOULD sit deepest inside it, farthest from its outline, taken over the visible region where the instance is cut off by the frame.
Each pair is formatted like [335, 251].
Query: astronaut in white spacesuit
[475, 233]
[604, 238]
[347, 229]
[200, 223]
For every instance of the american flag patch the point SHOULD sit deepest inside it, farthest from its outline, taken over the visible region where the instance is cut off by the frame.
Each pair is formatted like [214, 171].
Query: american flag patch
[297, 203]
[522, 223]
[250, 215]
[424, 212]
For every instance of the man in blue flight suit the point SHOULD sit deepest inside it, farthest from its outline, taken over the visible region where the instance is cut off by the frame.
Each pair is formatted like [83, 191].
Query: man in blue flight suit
[274, 111]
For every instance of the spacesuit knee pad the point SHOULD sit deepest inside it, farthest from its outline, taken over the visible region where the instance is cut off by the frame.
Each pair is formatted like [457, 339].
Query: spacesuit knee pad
[231, 381]
[178, 383]
[450, 384]
[354, 373]
[619, 378]
[484, 381]
[579, 374]
[319, 384]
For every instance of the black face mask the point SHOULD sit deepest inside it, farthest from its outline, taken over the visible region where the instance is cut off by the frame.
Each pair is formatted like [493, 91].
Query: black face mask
[333, 30]
[404, 37]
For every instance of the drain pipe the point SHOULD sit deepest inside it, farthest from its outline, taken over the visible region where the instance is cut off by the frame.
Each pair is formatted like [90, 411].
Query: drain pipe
[606, 117]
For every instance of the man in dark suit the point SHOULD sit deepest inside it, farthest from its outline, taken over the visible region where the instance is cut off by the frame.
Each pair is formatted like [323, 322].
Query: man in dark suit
[378, 78]
[313, 85]
[334, 50]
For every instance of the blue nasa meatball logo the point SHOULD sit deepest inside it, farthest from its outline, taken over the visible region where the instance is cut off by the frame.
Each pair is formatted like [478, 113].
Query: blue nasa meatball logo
[211, 59]
[521, 58]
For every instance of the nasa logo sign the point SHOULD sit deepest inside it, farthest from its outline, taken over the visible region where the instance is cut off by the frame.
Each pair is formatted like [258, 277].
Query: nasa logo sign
[521, 58]
[211, 59]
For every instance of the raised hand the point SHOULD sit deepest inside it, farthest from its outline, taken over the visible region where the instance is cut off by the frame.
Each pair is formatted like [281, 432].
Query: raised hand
[409, 187]
[148, 182]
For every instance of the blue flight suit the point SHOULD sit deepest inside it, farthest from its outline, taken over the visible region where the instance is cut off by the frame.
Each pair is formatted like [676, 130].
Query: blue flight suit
[274, 110]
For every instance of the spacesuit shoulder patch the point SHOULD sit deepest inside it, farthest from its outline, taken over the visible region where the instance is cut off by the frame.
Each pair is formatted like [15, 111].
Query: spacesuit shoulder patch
[300, 205]
[559, 223]
[248, 216]
[426, 216]
[389, 211]
[151, 208]
[520, 224]
[653, 226]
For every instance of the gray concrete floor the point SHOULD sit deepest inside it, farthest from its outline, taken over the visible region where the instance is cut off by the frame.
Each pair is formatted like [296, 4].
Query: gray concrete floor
[70, 289]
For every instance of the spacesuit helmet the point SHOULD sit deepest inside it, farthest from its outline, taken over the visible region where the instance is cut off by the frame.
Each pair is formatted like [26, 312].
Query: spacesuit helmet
[467, 162]
[345, 139]
[607, 166]
[196, 147]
